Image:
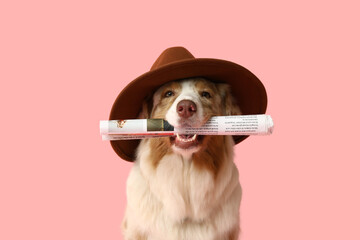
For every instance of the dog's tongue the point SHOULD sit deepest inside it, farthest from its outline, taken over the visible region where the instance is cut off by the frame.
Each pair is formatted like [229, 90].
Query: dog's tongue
[184, 136]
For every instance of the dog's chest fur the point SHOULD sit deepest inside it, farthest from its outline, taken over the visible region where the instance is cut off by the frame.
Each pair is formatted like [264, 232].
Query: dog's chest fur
[183, 189]
[177, 200]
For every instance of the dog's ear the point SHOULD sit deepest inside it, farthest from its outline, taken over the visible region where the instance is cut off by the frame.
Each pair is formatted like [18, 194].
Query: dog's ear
[146, 108]
[230, 106]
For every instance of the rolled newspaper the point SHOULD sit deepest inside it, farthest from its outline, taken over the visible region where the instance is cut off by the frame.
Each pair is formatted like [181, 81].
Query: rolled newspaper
[219, 125]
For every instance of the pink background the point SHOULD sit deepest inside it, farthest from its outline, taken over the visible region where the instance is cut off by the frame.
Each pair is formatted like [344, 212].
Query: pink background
[62, 64]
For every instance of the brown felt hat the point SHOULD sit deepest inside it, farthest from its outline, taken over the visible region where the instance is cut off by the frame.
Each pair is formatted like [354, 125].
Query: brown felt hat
[178, 63]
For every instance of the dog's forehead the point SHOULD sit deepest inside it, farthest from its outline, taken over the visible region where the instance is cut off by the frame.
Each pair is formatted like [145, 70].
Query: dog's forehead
[177, 85]
[188, 86]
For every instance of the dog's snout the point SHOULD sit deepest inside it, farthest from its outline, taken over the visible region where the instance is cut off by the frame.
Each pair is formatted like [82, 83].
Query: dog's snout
[186, 108]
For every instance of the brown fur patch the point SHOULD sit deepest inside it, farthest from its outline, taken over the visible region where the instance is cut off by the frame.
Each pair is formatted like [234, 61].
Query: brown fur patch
[159, 147]
[163, 103]
[162, 146]
[230, 106]
[212, 154]
[147, 106]
[211, 106]
[234, 234]
[140, 236]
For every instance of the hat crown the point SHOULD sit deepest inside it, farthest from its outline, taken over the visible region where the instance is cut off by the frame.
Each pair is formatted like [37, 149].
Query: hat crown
[171, 55]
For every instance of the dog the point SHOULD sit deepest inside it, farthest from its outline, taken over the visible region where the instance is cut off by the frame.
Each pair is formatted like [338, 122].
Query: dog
[185, 186]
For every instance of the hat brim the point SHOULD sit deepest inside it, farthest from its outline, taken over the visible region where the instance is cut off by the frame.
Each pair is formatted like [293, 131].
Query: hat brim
[247, 89]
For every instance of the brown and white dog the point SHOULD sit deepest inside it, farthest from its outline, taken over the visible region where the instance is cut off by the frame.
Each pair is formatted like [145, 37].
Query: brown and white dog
[185, 187]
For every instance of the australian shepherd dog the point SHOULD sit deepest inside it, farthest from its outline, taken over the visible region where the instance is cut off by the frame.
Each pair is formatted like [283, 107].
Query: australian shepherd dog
[185, 187]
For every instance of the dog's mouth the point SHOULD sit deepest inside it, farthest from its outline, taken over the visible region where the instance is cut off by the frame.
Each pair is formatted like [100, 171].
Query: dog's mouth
[186, 141]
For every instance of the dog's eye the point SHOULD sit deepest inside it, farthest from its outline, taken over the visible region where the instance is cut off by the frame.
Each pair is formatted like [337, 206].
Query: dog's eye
[205, 94]
[169, 94]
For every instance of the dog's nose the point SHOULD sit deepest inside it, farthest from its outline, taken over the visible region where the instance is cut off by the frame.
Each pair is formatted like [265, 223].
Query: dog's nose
[186, 108]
